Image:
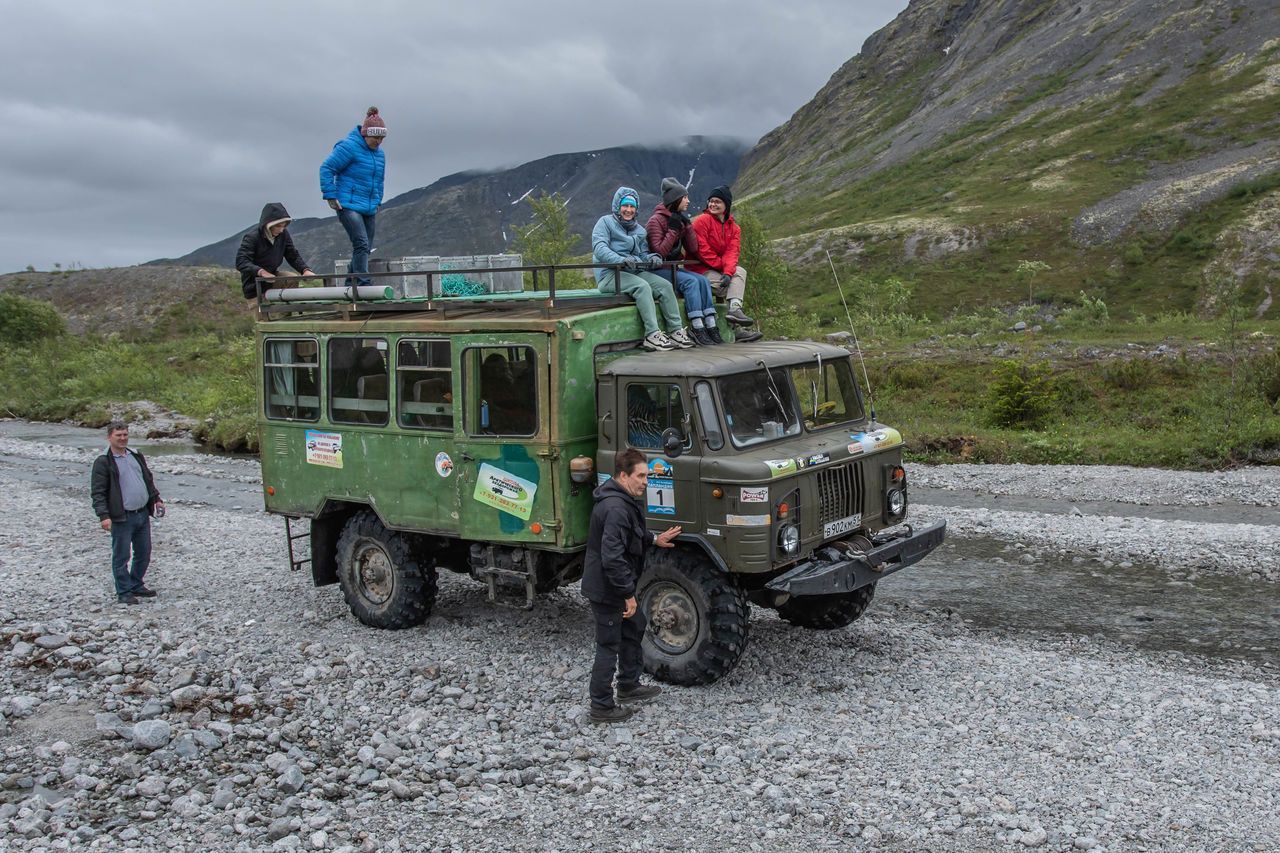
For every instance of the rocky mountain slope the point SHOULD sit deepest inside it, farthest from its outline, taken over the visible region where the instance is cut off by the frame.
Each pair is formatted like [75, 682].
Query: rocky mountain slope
[475, 213]
[1134, 146]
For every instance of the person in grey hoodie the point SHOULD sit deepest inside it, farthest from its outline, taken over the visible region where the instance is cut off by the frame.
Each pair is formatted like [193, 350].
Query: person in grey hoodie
[618, 238]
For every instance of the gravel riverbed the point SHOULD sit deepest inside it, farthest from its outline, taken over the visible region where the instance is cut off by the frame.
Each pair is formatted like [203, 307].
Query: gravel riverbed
[244, 709]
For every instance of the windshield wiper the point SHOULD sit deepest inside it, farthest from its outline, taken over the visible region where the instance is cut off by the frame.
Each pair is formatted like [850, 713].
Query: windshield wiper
[773, 391]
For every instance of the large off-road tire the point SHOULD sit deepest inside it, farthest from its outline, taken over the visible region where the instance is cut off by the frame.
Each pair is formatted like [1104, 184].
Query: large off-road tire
[827, 612]
[385, 582]
[698, 618]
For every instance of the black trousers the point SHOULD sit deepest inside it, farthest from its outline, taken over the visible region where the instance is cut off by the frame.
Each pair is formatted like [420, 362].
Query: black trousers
[617, 648]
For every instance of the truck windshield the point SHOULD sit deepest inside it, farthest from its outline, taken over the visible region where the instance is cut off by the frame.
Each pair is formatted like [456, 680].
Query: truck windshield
[759, 406]
[828, 393]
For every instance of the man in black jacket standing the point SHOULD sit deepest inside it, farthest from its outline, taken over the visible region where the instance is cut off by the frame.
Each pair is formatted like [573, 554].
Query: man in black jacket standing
[615, 557]
[125, 497]
[264, 249]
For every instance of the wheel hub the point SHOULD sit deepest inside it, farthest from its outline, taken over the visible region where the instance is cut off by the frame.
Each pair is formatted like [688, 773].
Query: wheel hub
[673, 618]
[374, 573]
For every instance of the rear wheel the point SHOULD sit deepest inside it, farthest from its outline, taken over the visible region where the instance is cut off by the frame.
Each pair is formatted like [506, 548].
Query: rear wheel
[386, 584]
[827, 612]
[698, 619]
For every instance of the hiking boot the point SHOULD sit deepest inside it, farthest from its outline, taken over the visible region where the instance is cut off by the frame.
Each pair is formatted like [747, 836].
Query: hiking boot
[714, 334]
[127, 598]
[681, 339]
[700, 337]
[747, 336]
[144, 592]
[737, 318]
[616, 714]
[638, 693]
[657, 342]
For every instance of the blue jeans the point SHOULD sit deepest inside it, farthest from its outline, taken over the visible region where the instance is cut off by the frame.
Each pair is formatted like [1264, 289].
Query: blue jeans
[696, 290]
[359, 227]
[134, 533]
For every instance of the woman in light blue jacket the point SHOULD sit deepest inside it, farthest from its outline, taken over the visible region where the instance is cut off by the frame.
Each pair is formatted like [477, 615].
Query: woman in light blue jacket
[351, 181]
[619, 239]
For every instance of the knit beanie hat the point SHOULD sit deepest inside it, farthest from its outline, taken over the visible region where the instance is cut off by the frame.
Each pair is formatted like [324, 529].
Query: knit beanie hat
[672, 192]
[724, 195]
[626, 199]
[373, 124]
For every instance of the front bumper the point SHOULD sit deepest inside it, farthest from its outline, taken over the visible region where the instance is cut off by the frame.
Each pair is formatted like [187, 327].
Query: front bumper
[832, 572]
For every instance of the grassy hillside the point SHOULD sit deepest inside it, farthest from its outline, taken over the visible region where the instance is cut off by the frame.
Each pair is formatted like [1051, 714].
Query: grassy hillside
[957, 220]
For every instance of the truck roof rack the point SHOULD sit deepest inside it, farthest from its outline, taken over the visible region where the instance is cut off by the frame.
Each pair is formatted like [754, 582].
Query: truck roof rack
[335, 297]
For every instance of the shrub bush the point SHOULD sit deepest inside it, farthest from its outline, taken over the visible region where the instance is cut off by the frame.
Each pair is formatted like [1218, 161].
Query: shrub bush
[1130, 374]
[25, 320]
[1022, 395]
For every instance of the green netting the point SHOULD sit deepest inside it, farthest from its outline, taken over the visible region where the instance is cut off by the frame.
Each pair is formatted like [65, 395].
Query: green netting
[458, 284]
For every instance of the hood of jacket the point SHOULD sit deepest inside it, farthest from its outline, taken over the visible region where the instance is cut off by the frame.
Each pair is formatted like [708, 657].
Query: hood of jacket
[273, 212]
[618, 195]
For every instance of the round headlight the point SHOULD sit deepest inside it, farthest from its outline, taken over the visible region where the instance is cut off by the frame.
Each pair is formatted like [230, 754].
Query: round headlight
[789, 539]
[896, 500]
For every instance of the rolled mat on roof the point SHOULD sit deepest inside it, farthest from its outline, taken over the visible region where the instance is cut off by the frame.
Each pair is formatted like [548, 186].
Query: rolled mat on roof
[328, 294]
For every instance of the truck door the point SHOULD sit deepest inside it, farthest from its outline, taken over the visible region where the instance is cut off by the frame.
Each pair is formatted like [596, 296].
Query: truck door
[648, 407]
[504, 478]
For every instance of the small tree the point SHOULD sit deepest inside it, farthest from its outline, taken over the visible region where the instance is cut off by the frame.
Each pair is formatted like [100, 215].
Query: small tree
[1029, 270]
[25, 320]
[546, 240]
[768, 296]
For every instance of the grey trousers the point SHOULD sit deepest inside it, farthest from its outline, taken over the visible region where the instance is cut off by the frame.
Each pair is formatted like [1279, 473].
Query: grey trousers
[727, 288]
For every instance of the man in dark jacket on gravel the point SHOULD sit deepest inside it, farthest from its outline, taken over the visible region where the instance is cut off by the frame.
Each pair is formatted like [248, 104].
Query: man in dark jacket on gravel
[125, 497]
[265, 248]
[615, 557]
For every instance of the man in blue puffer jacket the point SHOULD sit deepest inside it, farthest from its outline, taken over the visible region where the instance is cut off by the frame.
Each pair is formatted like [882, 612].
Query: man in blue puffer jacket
[351, 181]
[618, 238]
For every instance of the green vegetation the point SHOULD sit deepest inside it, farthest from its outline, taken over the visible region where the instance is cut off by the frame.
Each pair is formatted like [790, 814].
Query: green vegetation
[1010, 186]
[25, 320]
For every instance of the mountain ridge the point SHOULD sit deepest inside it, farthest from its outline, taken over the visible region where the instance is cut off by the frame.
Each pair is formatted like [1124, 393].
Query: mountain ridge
[476, 212]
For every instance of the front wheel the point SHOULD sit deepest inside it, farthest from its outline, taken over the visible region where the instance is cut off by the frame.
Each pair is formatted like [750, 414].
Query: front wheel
[698, 618]
[384, 581]
[827, 612]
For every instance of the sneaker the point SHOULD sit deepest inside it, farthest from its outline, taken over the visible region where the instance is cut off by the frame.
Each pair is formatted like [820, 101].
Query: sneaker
[657, 342]
[127, 598]
[144, 592]
[616, 714]
[681, 339]
[737, 318]
[700, 337]
[639, 693]
[714, 334]
[747, 336]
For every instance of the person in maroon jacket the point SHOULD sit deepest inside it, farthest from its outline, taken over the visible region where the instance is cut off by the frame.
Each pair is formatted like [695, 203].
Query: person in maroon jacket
[670, 235]
[719, 241]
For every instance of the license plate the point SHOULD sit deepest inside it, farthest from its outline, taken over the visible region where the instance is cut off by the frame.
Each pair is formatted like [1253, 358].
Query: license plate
[842, 526]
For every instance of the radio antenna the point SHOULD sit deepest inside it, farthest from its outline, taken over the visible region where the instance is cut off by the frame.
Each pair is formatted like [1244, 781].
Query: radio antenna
[871, 401]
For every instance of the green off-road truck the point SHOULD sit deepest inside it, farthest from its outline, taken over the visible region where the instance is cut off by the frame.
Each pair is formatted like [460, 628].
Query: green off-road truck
[467, 433]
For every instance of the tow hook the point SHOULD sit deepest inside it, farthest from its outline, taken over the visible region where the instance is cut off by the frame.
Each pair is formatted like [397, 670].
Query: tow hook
[850, 550]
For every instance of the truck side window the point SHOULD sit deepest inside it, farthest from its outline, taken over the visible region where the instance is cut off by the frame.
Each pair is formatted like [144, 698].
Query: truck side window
[706, 403]
[652, 408]
[291, 379]
[506, 398]
[424, 384]
[358, 381]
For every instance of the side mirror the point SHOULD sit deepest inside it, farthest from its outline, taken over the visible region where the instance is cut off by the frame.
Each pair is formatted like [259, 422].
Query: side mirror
[672, 443]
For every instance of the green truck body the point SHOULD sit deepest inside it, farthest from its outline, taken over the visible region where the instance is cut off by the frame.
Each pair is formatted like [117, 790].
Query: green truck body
[471, 437]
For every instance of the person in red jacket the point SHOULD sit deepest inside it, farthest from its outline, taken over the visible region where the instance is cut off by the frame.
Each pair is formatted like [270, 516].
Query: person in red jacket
[719, 240]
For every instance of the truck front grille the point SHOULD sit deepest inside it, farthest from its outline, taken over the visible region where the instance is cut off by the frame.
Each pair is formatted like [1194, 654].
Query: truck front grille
[839, 492]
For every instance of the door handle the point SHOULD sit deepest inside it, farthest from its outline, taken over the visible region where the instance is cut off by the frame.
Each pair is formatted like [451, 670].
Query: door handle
[467, 457]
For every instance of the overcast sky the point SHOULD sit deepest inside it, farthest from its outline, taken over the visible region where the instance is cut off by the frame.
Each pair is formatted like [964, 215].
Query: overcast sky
[131, 130]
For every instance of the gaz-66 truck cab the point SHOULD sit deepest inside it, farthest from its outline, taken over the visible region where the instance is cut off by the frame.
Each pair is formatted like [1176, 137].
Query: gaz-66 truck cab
[467, 433]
